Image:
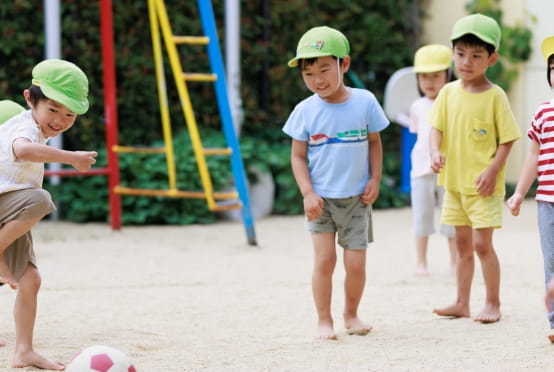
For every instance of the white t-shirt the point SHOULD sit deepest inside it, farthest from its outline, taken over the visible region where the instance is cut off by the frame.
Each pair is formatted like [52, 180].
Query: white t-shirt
[421, 157]
[337, 136]
[18, 174]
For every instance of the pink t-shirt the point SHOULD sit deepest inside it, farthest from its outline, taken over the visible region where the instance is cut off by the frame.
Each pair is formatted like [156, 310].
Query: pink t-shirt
[421, 158]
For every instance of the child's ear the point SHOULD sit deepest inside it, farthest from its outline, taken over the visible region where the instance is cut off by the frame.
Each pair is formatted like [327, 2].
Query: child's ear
[493, 58]
[346, 64]
[27, 96]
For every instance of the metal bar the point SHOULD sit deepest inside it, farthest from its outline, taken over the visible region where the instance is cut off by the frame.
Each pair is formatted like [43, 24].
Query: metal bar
[110, 109]
[75, 172]
[216, 62]
[175, 193]
[139, 150]
[215, 151]
[188, 76]
[194, 40]
[162, 95]
[186, 104]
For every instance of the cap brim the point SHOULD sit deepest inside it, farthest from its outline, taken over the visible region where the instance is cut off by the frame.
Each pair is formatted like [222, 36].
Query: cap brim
[294, 62]
[433, 68]
[479, 36]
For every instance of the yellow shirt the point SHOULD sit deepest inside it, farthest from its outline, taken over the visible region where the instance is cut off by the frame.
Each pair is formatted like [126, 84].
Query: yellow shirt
[472, 126]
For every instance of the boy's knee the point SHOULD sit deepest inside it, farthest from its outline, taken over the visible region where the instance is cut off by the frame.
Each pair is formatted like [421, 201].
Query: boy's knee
[482, 249]
[38, 203]
[326, 265]
[31, 280]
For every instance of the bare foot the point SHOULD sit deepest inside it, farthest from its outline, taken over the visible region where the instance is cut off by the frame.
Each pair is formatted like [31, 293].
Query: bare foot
[421, 270]
[325, 331]
[551, 338]
[489, 314]
[6, 274]
[355, 326]
[455, 310]
[33, 359]
[3, 342]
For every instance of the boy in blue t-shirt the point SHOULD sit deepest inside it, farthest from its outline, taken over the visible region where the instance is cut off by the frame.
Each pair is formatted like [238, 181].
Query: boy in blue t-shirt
[336, 159]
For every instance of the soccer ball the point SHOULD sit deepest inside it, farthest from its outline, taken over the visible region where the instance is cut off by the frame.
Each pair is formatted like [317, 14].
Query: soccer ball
[100, 358]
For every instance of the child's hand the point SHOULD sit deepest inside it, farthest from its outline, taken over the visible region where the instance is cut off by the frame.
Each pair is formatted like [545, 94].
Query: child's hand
[514, 203]
[437, 161]
[83, 160]
[313, 206]
[371, 192]
[486, 182]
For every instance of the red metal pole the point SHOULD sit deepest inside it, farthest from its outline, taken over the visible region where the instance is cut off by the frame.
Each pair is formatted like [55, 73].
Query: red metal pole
[110, 109]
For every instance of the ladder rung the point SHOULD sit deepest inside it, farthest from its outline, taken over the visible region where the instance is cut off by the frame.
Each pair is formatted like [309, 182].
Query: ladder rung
[197, 40]
[142, 150]
[173, 193]
[227, 205]
[199, 77]
[217, 151]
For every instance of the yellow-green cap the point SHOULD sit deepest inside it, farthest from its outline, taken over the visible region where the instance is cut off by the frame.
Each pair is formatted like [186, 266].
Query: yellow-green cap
[482, 26]
[547, 47]
[63, 82]
[321, 41]
[432, 58]
[9, 109]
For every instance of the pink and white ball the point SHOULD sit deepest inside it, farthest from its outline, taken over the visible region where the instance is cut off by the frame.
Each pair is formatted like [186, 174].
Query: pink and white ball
[100, 358]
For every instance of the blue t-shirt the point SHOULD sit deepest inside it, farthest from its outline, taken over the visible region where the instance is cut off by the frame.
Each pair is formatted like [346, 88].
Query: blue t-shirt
[338, 148]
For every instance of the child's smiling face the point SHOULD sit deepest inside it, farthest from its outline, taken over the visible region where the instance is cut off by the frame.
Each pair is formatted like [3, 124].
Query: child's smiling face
[52, 117]
[325, 78]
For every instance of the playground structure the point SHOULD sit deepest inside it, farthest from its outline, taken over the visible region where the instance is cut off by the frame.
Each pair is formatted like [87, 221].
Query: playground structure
[161, 32]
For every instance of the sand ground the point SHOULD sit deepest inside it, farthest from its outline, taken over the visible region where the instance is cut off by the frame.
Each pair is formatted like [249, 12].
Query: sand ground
[191, 298]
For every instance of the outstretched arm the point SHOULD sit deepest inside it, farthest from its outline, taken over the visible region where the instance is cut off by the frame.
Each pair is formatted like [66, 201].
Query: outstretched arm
[526, 178]
[24, 149]
[313, 203]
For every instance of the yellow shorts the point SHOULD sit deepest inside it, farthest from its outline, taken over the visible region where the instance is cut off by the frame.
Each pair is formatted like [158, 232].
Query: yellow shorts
[472, 210]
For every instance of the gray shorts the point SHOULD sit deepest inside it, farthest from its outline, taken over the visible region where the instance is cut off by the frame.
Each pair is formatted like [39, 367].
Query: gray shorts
[426, 197]
[22, 205]
[350, 218]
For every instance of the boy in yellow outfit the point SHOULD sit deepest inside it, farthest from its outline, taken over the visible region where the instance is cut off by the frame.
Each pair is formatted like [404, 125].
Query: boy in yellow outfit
[473, 132]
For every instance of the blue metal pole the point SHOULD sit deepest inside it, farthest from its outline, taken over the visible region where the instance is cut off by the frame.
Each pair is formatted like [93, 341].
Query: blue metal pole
[237, 166]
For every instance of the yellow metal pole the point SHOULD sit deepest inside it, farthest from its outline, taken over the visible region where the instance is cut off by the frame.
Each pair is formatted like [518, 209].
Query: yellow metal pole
[162, 96]
[186, 104]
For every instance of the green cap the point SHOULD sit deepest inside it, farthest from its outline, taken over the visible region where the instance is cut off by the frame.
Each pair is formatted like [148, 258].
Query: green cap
[9, 109]
[320, 42]
[63, 82]
[485, 28]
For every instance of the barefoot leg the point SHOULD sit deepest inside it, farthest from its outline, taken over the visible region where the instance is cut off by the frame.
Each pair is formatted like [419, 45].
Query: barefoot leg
[325, 331]
[354, 282]
[491, 275]
[325, 259]
[465, 267]
[25, 314]
[421, 243]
